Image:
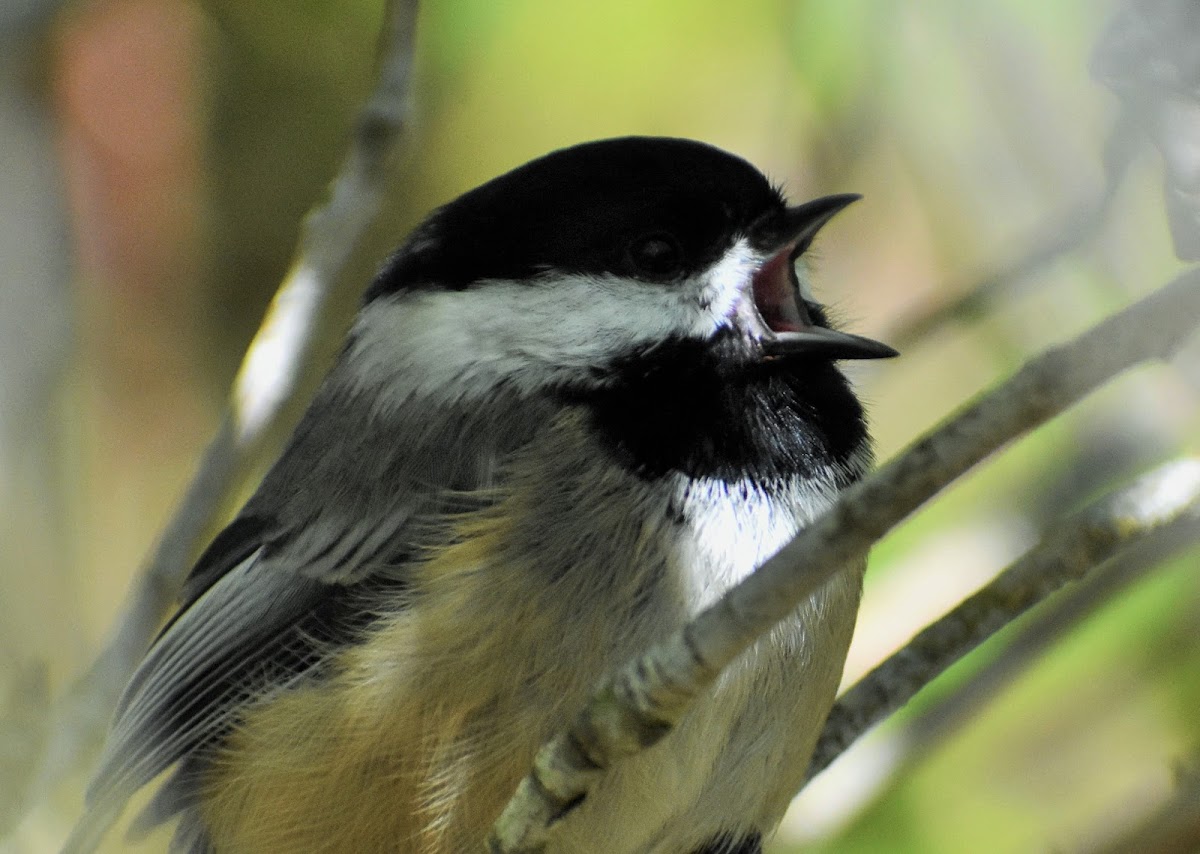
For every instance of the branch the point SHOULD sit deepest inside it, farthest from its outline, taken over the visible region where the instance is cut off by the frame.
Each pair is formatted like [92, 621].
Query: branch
[1040, 633]
[1162, 498]
[266, 381]
[640, 703]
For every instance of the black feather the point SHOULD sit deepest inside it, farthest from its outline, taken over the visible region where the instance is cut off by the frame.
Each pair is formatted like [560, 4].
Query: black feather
[578, 210]
[688, 407]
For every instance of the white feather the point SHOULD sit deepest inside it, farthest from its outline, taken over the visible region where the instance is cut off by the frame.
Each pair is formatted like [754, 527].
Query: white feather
[445, 346]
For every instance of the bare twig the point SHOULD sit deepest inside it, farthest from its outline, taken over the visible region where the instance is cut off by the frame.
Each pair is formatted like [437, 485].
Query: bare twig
[641, 702]
[266, 382]
[1045, 628]
[1159, 499]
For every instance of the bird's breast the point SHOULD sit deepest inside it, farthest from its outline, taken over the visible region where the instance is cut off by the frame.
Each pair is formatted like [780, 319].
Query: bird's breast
[423, 731]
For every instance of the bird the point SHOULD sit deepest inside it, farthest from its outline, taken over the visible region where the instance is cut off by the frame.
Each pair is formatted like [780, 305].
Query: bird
[576, 405]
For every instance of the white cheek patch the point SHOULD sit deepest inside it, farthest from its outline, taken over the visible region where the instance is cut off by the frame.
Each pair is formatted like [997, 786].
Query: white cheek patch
[458, 344]
[726, 282]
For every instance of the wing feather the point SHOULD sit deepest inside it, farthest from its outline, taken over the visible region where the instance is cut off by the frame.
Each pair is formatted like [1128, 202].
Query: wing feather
[301, 571]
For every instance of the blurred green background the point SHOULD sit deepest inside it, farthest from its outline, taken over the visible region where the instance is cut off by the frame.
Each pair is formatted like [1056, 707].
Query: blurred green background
[158, 156]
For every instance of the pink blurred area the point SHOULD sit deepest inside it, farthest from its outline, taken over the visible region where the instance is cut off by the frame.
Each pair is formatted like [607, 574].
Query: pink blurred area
[129, 89]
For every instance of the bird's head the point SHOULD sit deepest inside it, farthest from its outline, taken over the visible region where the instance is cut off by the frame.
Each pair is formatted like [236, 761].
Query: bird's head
[592, 260]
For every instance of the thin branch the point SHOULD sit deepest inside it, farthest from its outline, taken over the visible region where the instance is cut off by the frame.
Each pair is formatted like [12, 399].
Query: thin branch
[642, 701]
[894, 755]
[273, 363]
[1045, 628]
[266, 381]
[1155, 501]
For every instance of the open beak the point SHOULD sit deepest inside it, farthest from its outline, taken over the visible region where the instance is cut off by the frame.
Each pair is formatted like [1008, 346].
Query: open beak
[789, 327]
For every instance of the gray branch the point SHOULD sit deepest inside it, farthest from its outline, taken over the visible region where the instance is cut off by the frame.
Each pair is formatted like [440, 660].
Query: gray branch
[640, 703]
[1036, 634]
[266, 382]
[1165, 497]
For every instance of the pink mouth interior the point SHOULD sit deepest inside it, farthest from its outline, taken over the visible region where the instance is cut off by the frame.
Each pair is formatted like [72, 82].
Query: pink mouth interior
[775, 297]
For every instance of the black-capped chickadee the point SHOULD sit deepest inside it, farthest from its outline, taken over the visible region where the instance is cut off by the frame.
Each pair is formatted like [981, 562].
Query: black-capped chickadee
[576, 406]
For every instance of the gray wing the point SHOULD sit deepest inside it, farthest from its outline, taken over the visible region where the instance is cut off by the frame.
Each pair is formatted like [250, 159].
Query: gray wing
[300, 572]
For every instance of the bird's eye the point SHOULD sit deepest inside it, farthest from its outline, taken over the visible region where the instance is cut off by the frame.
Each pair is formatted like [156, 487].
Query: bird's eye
[656, 255]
